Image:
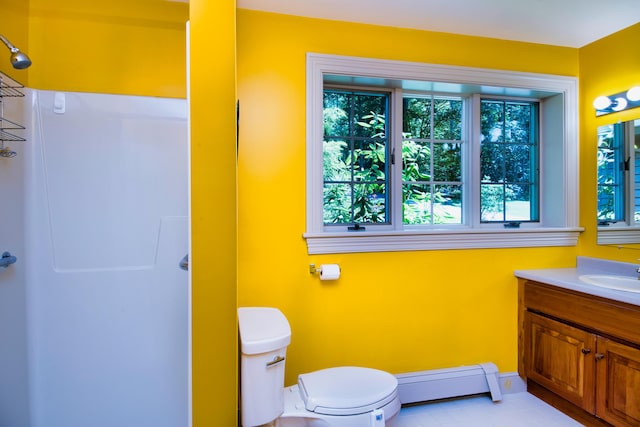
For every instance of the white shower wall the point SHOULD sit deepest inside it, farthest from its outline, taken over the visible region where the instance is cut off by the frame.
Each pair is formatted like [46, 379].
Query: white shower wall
[106, 225]
[14, 396]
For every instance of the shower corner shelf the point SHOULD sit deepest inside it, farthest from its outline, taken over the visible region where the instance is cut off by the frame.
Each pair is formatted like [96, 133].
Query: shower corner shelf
[9, 88]
[7, 125]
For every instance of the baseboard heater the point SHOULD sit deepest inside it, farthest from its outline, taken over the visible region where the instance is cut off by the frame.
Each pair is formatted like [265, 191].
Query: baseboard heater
[437, 384]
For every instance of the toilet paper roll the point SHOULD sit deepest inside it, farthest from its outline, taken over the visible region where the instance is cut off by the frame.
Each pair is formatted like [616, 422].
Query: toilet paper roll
[329, 272]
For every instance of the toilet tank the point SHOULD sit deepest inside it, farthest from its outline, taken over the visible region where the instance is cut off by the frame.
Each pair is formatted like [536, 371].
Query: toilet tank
[264, 337]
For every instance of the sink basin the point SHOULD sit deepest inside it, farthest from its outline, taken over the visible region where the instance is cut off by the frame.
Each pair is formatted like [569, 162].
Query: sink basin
[610, 281]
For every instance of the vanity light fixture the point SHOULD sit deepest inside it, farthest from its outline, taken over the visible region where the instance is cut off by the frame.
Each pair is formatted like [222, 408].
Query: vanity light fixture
[620, 104]
[617, 102]
[633, 94]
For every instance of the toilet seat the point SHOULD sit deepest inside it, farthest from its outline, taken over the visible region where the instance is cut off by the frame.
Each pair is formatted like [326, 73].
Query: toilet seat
[347, 390]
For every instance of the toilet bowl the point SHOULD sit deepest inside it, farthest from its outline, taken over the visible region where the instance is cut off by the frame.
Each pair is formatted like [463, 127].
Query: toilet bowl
[335, 397]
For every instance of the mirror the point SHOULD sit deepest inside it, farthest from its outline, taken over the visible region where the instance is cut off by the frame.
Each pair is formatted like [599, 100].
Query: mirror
[619, 183]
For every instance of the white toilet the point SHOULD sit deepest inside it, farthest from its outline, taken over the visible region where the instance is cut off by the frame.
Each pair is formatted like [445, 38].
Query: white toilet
[334, 397]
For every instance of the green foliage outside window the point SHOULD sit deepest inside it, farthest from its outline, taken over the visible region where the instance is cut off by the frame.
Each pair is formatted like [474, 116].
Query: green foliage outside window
[355, 157]
[508, 161]
[357, 153]
[431, 159]
[608, 175]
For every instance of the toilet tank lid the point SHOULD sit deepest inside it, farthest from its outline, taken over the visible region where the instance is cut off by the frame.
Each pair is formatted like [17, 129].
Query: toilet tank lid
[262, 329]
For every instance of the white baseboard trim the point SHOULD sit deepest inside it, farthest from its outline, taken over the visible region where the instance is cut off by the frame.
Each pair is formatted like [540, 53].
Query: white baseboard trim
[424, 386]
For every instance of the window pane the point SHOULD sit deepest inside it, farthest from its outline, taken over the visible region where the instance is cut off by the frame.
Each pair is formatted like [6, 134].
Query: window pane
[447, 206]
[432, 169]
[517, 123]
[416, 119]
[492, 121]
[491, 162]
[607, 196]
[517, 203]
[492, 202]
[335, 155]
[416, 160]
[369, 116]
[447, 162]
[337, 203]
[606, 156]
[416, 204]
[432, 204]
[369, 160]
[509, 161]
[447, 119]
[369, 203]
[335, 113]
[611, 184]
[517, 163]
[355, 151]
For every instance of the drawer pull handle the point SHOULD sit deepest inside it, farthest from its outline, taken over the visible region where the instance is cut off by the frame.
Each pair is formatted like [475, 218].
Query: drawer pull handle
[586, 350]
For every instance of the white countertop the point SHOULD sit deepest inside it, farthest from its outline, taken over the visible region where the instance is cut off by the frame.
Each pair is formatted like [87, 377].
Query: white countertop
[569, 278]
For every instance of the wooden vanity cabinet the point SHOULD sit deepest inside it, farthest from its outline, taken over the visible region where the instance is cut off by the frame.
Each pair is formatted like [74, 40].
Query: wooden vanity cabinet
[618, 383]
[582, 348]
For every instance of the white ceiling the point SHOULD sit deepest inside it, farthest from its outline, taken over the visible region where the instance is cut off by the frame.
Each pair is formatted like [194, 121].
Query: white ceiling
[572, 23]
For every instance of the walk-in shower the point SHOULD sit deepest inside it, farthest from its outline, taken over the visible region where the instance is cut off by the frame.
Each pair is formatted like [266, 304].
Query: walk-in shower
[94, 313]
[18, 59]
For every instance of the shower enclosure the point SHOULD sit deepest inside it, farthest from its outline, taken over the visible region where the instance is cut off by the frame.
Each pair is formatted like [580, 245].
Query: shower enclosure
[104, 190]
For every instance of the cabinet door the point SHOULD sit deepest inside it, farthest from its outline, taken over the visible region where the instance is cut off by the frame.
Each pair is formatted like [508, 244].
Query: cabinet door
[560, 358]
[618, 393]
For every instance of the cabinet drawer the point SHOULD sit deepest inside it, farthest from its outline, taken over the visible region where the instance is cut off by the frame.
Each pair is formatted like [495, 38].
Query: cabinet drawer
[615, 318]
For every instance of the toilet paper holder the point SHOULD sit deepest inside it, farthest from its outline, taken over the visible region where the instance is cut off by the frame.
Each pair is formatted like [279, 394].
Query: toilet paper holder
[326, 271]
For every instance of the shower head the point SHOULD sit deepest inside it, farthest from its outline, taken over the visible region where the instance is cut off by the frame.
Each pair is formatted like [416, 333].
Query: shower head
[18, 59]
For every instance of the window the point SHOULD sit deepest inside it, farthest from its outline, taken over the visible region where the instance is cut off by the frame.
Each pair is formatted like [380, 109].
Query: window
[613, 166]
[406, 156]
[432, 147]
[355, 152]
[618, 183]
[508, 161]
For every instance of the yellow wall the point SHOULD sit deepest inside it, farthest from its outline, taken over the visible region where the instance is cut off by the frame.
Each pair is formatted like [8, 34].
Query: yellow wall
[399, 312]
[607, 66]
[213, 212]
[118, 46]
[14, 25]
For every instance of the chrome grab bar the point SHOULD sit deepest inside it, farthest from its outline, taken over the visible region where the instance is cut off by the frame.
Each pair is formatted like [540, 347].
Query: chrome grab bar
[7, 259]
[184, 262]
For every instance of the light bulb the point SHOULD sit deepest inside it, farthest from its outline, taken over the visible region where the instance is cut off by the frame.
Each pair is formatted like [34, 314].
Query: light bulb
[601, 102]
[633, 94]
[620, 104]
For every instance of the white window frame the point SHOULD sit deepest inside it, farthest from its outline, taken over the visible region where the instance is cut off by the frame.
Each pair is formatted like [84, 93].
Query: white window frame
[558, 222]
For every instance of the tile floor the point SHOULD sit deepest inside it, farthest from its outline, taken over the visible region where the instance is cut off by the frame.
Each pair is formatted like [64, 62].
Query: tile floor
[515, 410]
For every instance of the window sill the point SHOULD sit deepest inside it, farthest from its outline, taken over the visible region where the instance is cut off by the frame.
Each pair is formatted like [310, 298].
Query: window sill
[355, 242]
[618, 235]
